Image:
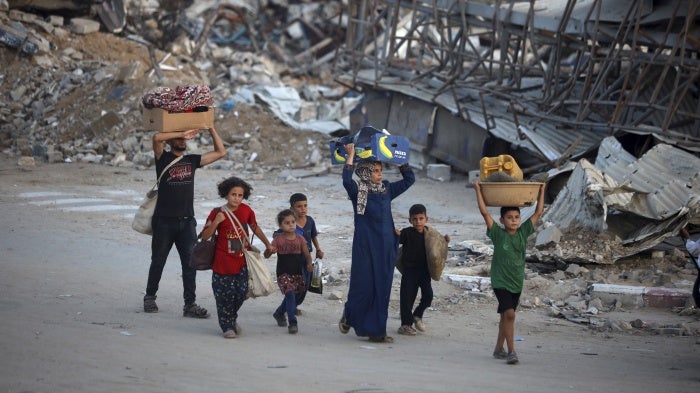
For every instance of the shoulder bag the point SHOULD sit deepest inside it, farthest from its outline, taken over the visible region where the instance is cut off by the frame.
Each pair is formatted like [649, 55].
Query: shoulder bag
[259, 281]
[203, 252]
[144, 215]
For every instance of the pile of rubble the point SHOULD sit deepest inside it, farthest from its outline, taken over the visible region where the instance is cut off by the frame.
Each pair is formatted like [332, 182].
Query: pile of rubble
[72, 92]
[590, 294]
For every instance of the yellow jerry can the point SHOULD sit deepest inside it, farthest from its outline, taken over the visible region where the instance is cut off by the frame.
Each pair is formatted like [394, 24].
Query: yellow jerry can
[503, 163]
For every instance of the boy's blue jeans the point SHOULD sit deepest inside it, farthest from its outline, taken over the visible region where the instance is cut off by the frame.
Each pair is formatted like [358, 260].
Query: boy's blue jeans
[182, 232]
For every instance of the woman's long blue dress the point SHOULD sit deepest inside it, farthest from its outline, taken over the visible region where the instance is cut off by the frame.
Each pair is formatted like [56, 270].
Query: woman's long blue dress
[374, 248]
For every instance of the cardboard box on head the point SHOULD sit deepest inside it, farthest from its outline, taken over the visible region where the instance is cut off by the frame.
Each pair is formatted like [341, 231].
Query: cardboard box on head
[161, 120]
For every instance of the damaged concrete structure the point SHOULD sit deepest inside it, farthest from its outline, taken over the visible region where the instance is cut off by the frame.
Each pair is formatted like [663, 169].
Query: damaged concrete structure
[623, 205]
[579, 88]
[548, 79]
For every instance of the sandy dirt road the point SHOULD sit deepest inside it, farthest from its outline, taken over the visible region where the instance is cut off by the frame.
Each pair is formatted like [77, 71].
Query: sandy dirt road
[73, 275]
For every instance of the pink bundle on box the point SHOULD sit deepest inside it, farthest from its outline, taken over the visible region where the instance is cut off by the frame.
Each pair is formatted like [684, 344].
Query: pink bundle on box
[183, 108]
[179, 99]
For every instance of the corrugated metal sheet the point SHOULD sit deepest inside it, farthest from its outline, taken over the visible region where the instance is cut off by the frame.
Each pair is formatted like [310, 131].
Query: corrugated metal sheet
[660, 165]
[613, 159]
[550, 140]
[622, 86]
[661, 191]
[581, 203]
[656, 186]
[548, 16]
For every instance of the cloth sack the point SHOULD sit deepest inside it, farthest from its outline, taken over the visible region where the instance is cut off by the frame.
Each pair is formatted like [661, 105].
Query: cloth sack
[144, 215]
[259, 281]
[435, 250]
[202, 257]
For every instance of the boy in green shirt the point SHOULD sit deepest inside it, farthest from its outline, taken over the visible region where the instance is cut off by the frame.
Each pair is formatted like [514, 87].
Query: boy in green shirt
[508, 265]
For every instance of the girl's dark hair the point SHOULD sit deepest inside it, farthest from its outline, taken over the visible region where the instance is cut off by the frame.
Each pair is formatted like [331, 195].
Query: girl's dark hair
[227, 184]
[284, 214]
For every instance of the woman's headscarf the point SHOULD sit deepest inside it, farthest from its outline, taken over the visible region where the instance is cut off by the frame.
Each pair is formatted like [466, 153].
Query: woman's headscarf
[365, 185]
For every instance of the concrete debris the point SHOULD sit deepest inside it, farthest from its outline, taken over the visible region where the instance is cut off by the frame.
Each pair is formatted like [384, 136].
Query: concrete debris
[112, 13]
[548, 236]
[84, 26]
[590, 296]
[439, 172]
[104, 76]
[624, 206]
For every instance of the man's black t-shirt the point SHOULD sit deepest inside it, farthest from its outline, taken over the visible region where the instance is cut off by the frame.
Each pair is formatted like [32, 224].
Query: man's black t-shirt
[176, 188]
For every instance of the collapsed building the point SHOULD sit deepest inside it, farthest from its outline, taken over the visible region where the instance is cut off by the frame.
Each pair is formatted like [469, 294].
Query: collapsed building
[601, 94]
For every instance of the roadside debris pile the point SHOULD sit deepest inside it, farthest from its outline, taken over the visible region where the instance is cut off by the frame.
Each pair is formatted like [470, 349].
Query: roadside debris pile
[76, 95]
[588, 294]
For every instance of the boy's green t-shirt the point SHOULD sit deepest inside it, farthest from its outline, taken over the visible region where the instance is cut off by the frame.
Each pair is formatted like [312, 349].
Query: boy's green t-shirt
[508, 262]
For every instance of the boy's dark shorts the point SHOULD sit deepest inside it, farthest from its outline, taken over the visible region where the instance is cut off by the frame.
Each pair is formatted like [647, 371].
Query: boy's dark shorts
[506, 299]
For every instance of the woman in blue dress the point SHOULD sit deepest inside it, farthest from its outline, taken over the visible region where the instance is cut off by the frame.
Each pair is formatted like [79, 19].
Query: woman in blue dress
[374, 247]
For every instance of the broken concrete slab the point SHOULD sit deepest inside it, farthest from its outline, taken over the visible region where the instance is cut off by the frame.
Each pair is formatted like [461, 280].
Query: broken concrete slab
[548, 236]
[471, 283]
[439, 172]
[631, 296]
[84, 26]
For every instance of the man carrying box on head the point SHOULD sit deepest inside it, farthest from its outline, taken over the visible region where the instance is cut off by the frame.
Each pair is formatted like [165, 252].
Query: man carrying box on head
[173, 219]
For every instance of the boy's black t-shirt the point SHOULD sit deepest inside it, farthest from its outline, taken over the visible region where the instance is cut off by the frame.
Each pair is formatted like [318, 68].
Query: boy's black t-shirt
[414, 253]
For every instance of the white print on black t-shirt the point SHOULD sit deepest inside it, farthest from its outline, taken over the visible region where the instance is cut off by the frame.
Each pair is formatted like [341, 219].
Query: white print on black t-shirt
[180, 172]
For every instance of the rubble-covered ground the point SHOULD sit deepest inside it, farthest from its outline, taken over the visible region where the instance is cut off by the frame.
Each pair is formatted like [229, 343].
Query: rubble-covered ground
[83, 103]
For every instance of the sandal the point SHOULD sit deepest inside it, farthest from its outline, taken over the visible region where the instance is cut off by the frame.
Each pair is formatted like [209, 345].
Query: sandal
[343, 325]
[381, 339]
[194, 311]
[149, 304]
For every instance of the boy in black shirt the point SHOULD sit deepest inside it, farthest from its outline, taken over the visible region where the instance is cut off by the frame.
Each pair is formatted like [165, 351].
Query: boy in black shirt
[415, 273]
